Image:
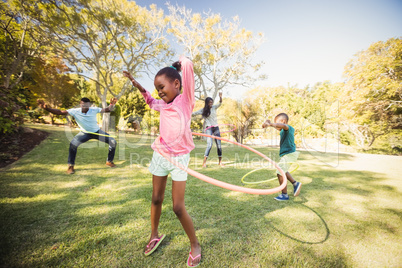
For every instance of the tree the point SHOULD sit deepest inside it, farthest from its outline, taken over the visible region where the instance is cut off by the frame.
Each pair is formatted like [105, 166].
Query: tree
[312, 110]
[241, 114]
[50, 79]
[12, 104]
[151, 119]
[222, 52]
[372, 98]
[86, 89]
[19, 43]
[100, 38]
[132, 103]
[133, 108]
[19, 46]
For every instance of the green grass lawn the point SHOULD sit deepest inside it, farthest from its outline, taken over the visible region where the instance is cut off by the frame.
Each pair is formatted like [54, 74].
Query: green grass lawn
[347, 215]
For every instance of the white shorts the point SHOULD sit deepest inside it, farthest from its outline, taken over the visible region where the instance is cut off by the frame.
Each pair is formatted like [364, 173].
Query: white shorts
[160, 166]
[286, 161]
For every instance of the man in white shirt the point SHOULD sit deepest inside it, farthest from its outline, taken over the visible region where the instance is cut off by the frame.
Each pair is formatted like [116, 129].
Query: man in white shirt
[86, 120]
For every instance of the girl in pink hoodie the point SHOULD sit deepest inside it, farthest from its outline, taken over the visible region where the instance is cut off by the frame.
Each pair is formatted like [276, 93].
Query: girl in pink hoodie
[176, 141]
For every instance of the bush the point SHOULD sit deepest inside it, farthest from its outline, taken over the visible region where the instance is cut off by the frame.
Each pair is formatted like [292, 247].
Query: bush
[346, 138]
[36, 116]
[115, 117]
[12, 108]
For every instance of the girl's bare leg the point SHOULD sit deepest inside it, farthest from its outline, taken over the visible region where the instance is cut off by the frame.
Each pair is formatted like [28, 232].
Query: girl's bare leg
[158, 194]
[204, 164]
[220, 161]
[178, 190]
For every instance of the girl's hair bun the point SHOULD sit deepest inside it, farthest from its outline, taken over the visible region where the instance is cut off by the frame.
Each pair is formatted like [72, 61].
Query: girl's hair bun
[177, 66]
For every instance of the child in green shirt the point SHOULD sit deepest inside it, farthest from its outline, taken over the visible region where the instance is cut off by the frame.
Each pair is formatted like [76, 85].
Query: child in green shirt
[287, 152]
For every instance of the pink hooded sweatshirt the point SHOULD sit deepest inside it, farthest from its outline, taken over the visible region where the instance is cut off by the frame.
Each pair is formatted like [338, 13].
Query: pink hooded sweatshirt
[175, 118]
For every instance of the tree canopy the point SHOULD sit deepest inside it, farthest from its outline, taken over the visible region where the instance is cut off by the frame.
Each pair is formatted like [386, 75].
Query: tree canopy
[372, 96]
[101, 38]
[221, 50]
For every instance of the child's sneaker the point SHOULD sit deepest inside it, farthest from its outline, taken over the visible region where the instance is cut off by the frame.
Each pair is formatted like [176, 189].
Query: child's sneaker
[297, 188]
[110, 164]
[282, 197]
[70, 170]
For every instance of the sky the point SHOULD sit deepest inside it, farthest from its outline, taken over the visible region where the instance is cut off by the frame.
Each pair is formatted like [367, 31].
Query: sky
[306, 41]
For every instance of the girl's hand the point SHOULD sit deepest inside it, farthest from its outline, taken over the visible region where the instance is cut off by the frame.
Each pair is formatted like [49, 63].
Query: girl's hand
[267, 123]
[135, 83]
[220, 94]
[128, 75]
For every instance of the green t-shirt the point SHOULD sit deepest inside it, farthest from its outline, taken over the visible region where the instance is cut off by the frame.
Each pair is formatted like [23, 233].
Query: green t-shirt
[287, 143]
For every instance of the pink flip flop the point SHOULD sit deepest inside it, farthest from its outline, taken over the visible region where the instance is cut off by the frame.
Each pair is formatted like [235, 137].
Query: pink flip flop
[156, 245]
[190, 257]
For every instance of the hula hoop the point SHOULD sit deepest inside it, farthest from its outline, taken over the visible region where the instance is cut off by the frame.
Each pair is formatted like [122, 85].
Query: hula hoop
[221, 125]
[257, 169]
[224, 184]
[108, 135]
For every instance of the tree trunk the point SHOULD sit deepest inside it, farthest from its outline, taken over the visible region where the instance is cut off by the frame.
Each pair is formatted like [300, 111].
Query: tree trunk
[105, 121]
[105, 118]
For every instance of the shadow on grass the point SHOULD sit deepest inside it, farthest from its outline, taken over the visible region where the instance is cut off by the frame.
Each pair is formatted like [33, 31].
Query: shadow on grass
[300, 203]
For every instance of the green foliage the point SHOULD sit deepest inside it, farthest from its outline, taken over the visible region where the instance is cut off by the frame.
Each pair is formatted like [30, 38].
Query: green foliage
[197, 121]
[102, 38]
[115, 116]
[150, 121]
[355, 113]
[19, 46]
[19, 43]
[13, 104]
[372, 96]
[133, 109]
[49, 79]
[308, 109]
[36, 116]
[196, 125]
[85, 89]
[132, 103]
[243, 115]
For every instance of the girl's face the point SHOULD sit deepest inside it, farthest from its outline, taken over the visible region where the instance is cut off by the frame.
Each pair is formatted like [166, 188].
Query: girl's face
[167, 89]
[210, 103]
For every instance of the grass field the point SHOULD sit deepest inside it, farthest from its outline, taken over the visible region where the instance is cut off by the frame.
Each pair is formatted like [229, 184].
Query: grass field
[347, 215]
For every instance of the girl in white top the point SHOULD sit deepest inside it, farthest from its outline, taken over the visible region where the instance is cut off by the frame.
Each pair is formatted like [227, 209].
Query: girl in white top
[211, 127]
